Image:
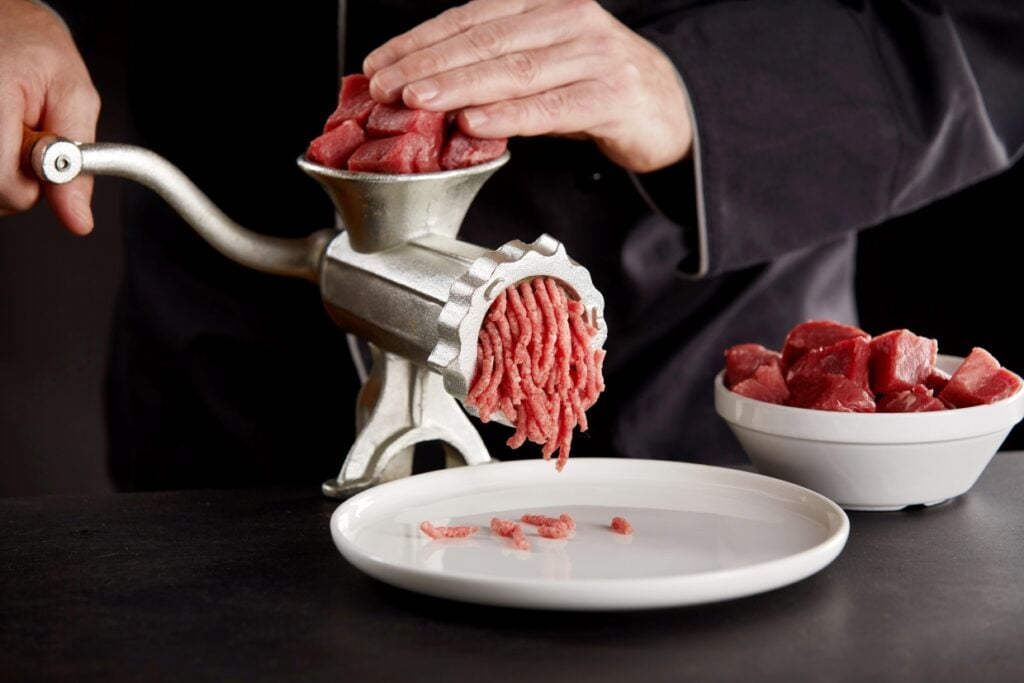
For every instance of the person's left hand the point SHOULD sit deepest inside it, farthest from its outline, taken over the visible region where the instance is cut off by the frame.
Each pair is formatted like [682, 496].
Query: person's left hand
[541, 67]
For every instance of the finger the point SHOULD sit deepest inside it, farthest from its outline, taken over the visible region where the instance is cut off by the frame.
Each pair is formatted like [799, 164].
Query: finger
[541, 27]
[576, 108]
[445, 25]
[72, 112]
[18, 191]
[510, 76]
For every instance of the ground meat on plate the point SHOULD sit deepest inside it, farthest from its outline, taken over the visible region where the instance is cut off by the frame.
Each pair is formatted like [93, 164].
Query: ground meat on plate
[447, 531]
[621, 526]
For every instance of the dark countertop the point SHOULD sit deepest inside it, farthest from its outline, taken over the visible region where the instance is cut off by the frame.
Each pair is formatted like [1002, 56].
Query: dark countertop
[247, 585]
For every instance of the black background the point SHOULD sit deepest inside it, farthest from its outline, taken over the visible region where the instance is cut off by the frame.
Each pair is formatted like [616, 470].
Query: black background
[949, 271]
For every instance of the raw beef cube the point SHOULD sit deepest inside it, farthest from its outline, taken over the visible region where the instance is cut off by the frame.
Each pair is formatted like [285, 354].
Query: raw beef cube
[742, 360]
[849, 358]
[335, 147]
[354, 102]
[427, 159]
[766, 384]
[814, 334]
[354, 89]
[387, 120]
[979, 380]
[899, 360]
[401, 154]
[917, 399]
[836, 393]
[462, 151]
[936, 380]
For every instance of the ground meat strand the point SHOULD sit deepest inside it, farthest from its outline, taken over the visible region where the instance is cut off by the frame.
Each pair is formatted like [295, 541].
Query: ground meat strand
[620, 525]
[503, 527]
[535, 364]
[519, 539]
[550, 522]
[447, 531]
[509, 529]
[554, 531]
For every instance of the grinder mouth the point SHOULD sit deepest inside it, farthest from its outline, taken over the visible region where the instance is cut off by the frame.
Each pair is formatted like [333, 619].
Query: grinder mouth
[315, 170]
[462, 317]
[382, 210]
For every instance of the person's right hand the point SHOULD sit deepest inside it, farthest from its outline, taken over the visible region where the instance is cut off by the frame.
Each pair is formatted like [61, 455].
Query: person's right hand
[541, 67]
[44, 85]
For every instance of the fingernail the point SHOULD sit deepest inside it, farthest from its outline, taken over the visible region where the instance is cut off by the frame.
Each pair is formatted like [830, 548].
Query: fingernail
[424, 91]
[376, 61]
[474, 118]
[388, 82]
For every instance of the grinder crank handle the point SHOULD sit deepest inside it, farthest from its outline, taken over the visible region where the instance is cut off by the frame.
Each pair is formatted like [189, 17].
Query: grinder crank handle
[58, 160]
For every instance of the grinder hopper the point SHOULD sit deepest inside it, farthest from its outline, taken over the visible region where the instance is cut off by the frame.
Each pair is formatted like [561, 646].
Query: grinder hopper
[396, 276]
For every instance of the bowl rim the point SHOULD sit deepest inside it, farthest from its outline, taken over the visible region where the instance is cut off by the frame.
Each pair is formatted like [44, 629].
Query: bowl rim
[875, 428]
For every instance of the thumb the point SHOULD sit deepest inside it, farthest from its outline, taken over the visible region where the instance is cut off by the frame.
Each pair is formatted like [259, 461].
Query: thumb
[72, 203]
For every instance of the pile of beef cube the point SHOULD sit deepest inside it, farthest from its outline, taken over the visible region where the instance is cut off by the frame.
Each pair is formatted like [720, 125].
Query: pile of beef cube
[825, 365]
[365, 135]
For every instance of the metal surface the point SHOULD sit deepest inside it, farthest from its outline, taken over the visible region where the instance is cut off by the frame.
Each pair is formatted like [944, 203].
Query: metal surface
[397, 276]
[426, 299]
[402, 404]
[454, 355]
[422, 294]
[380, 210]
[58, 161]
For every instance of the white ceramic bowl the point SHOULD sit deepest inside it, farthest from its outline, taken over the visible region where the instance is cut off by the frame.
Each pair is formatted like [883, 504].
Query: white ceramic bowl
[872, 461]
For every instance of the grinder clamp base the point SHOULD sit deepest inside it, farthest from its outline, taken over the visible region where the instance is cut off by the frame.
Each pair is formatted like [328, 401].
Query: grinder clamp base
[400, 405]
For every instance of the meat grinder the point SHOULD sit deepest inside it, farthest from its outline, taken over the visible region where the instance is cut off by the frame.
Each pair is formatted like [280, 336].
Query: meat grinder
[395, 275]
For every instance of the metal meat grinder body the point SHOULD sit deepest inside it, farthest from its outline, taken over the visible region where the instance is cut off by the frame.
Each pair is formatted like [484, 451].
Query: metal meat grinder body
[397, 276]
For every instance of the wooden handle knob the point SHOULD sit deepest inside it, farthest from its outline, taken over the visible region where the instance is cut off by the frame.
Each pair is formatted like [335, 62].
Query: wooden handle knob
[29, 138]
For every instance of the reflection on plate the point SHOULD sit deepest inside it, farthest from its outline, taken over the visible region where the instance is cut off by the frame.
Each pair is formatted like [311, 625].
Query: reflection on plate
[701, 534]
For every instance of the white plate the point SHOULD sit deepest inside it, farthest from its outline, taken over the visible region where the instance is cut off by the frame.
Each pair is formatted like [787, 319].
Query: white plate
[701, 534]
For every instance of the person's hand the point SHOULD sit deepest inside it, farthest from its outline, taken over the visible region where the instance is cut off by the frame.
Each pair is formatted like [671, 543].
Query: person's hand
[539, 67]
[43, 85]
